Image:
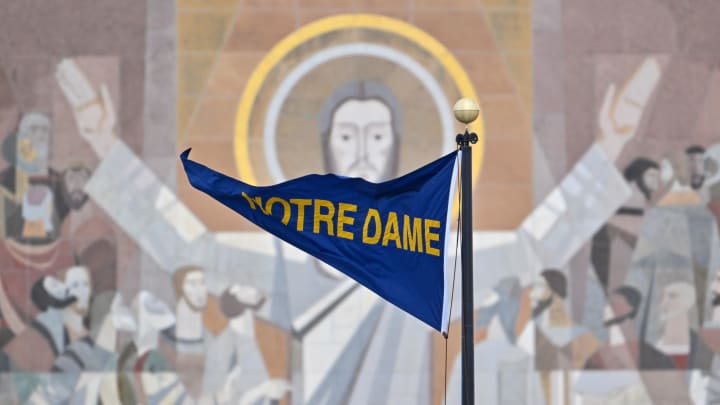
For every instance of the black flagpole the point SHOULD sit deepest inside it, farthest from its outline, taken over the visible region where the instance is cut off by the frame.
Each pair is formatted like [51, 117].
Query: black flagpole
[468, 365]
[466, 111]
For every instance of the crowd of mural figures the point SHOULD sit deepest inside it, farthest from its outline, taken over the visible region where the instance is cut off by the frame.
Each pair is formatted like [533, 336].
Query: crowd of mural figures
[648, 302]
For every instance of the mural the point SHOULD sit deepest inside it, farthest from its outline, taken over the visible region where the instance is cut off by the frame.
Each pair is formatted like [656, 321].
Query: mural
[643, 284]
[597, 201]
[59, 253]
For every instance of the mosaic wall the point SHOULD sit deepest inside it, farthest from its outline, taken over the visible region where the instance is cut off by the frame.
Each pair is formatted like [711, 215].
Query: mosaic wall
[596, 195]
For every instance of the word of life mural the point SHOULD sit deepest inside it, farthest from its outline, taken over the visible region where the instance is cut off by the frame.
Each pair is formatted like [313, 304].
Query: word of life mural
[240, 317]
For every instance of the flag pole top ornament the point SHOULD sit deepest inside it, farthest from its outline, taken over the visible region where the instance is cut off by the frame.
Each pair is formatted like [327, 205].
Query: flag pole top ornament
[466, 110]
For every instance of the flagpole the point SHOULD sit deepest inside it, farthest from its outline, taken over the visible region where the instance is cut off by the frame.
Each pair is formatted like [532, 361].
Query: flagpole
[466, 111]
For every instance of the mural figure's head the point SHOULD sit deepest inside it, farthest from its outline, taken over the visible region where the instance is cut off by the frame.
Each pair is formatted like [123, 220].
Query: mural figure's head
[50, 293]
[360, 128]
[696, 165]
[677, 299]
[189, 282]
[623, 304]
[78, 283]
[74, 179]
[552, 285]
[645, 173]
[33, 143]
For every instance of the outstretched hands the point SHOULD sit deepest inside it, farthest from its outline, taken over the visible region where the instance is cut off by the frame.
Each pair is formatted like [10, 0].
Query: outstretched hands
[622, 110]
[94, 113]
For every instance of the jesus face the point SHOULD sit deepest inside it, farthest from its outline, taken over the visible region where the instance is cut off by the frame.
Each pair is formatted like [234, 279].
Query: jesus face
[361, 140]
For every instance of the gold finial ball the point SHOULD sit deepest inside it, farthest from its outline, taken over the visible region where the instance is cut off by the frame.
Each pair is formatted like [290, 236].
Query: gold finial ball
[466, 110]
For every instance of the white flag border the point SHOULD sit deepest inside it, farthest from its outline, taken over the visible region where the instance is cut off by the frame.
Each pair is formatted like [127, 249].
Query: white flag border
[446, 257]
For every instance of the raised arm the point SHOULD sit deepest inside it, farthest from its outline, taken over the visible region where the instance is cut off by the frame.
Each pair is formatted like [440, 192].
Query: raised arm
[594, 189]
[584, 200]
[127, 190]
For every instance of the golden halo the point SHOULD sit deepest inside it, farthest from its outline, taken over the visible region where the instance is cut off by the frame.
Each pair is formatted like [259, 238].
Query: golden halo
[337, 23]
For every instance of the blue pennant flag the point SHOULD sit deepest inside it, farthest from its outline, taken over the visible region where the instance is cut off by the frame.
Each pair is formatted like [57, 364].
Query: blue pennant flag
[391, 237]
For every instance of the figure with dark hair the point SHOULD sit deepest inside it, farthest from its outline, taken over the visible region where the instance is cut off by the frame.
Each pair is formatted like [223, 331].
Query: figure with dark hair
[624, 349]
[86, 352]
[685, 170]
[560, 343]
[73, 183]
[612, 245]
[696, 164]
[33, 202]
[87, 371]
[33, 210]
[644, 176]
[682, 223]
[552, 284]
[79, 352]
[46, 336]
[213, 341]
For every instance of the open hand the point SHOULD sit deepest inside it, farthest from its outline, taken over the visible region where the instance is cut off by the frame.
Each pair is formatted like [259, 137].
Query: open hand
[622, 110]
[94, 113]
